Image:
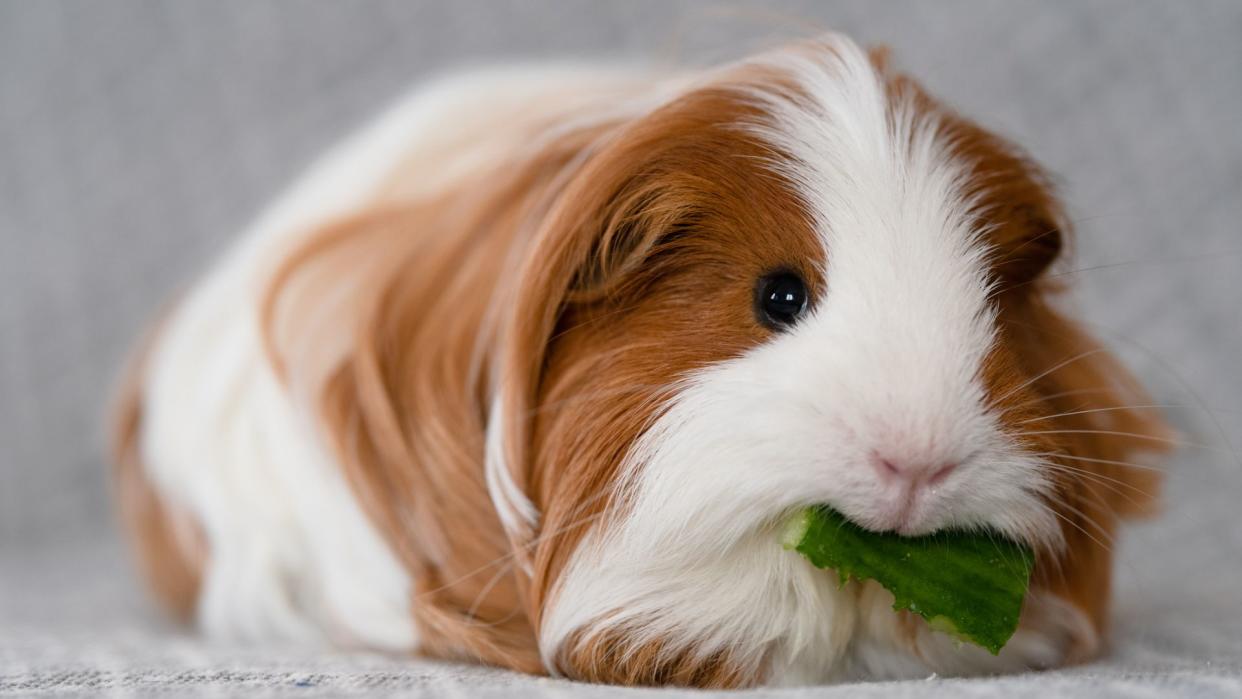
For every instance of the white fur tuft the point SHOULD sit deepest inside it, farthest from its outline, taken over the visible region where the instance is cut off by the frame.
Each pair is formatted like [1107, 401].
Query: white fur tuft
[517, 513]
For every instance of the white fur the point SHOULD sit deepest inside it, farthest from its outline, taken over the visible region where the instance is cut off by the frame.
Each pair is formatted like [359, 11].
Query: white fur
[518, 515]
[292, 555]
[888, 361]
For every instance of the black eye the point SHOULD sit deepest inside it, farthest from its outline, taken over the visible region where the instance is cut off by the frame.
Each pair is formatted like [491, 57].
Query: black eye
[780, 299]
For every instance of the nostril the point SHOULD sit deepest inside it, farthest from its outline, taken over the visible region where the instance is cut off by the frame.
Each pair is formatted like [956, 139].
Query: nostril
[886, 468]
[941, 473]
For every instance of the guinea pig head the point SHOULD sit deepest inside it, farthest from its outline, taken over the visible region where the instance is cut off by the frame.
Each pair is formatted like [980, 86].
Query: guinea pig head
[802, 281]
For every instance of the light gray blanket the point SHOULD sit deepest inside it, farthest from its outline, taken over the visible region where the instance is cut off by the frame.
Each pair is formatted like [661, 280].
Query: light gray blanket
[137, 137]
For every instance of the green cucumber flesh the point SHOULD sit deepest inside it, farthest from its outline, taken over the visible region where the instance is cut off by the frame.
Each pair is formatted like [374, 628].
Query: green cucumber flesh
[967, 584]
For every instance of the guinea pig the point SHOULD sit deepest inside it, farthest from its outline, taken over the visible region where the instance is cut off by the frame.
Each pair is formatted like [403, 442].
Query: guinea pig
[531, 371]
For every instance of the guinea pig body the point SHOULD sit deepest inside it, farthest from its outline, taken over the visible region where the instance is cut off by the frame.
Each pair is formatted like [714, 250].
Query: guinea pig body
[530, 372]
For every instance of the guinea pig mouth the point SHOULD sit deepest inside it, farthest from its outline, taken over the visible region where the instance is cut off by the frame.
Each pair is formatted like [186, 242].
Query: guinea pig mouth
[905, 512]
[899, 522]
[914, 516]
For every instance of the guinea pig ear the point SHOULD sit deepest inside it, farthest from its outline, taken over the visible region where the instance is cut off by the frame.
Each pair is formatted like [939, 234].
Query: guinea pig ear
[1028, 234]
[1016, 204]
[1013, 198]
[620, 238]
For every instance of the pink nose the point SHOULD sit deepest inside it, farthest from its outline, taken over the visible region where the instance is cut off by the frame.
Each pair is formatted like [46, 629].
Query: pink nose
[911, 472]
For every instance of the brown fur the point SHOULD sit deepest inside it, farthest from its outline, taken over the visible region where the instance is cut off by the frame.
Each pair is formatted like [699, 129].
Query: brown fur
[404, 397]
[1087, 403]
[610, 657]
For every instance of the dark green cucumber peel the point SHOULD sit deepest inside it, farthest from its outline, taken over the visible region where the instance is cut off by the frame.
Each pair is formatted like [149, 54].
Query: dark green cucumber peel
[970, 585]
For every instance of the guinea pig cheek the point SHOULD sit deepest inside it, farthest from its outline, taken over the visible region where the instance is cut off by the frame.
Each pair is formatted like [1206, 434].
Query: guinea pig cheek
[1009, 485]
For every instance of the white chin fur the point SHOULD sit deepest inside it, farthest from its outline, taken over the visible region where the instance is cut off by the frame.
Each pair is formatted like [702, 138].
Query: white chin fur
[693, 559]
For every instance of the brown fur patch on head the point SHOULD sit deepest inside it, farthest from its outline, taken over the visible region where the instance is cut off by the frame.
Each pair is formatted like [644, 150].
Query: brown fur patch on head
[1059, 392]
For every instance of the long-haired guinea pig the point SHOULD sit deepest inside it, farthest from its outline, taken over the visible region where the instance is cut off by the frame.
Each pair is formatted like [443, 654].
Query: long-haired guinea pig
[531, 371]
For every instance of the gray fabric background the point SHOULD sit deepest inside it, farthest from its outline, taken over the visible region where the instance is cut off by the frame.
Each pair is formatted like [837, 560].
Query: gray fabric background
[137, 137]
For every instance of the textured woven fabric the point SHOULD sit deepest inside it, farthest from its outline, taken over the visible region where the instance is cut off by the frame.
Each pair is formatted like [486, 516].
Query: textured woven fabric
[137, 137]
[74, 622]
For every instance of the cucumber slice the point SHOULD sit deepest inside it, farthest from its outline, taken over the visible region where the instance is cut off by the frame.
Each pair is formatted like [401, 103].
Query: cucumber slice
[970, 585]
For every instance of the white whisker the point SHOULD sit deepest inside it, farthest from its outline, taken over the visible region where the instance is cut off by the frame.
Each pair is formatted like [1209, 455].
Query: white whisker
[1037, 377]
[1094, 460]
[1148, 406]
[1133, 435]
